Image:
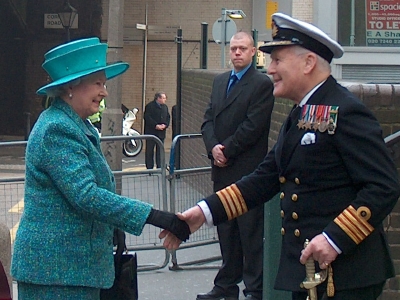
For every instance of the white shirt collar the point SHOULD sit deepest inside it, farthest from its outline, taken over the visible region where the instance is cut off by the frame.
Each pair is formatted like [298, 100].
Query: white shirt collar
[309, 94]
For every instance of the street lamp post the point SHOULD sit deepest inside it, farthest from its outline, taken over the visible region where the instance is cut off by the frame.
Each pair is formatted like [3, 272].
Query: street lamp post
[233, 14]
[67, 17]
[223, 37]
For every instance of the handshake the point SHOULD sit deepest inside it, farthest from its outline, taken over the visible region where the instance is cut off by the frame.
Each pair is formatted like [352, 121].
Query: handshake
[176, 228]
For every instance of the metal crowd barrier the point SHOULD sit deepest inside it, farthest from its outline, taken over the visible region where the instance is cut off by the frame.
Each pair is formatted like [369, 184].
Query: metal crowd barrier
[12, 185]
[188, 185]
[149, 186]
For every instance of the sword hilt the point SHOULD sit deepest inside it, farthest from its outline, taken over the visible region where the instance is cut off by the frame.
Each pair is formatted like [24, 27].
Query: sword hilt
[312, 279]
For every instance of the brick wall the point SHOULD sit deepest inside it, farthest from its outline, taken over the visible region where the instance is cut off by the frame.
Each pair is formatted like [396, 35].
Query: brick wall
[382, 99]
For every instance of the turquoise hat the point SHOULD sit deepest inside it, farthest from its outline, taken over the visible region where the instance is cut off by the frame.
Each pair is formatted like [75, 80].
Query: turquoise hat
[76, 59]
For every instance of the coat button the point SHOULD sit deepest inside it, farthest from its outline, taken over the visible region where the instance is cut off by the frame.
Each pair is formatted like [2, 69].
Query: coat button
[282, 195]
[297, 181]
[294, 197]
[282, 231]
[282, 213]
[295, 216]
[282, 179]
[297, 233]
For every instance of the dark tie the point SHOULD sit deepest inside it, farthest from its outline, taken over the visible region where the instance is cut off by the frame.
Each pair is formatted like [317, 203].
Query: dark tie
[233, 81]
[293, 117]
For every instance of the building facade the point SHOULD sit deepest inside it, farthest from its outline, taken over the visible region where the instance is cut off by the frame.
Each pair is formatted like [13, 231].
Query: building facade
[152, 53]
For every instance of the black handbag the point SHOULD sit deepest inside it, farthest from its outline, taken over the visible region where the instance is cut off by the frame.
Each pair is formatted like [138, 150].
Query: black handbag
[125, 285]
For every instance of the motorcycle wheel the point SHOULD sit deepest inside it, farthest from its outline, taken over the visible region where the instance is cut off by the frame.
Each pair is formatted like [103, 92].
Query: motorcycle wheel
[131, 150]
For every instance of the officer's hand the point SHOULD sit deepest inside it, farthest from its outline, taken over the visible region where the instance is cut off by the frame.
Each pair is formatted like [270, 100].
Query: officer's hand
[320, 250]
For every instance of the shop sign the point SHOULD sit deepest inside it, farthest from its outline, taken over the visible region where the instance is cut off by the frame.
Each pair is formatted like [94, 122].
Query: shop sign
[383, 23]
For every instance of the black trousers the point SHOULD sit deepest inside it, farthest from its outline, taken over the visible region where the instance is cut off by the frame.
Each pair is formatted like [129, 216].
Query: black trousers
[149, 155]
[368, 293]
[241, 244]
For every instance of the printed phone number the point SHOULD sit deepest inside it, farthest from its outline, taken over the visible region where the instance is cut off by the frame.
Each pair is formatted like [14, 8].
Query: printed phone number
[382, 41]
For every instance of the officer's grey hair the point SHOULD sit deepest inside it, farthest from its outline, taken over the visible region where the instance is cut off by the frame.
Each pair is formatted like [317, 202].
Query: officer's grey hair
[322, 63]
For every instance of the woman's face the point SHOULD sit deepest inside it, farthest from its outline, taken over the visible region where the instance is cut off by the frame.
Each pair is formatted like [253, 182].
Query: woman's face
[86, 96]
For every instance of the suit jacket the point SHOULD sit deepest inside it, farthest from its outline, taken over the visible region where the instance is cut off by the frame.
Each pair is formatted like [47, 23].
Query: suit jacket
[240, 122]
[344, 184]
[156, 114]
[66, 231]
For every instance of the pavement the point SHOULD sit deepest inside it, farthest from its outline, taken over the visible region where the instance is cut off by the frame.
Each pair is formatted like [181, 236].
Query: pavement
[160, 283]
[175, 285]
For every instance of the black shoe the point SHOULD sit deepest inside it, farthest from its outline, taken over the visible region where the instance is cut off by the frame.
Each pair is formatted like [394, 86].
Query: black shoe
[215, 295]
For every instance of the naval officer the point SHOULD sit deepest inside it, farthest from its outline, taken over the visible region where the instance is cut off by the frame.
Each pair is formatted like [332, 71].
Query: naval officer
[330, 166]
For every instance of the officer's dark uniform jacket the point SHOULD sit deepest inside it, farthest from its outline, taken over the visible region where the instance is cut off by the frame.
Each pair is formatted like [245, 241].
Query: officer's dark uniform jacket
[344, 184]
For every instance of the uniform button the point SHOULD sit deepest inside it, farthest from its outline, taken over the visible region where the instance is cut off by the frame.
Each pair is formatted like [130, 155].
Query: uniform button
[294, 197]
[295, 216]
[282, 195]
[282, 179]
[282, 231]
[282, 213]
[297, 233]
[297, 181]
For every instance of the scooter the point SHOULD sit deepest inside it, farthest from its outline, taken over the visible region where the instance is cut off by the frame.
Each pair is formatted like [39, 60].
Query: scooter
[133, 147]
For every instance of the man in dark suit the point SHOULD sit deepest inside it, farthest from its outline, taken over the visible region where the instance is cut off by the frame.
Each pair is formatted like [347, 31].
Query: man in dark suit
[336, 179]
[156, 121]
[235, 132]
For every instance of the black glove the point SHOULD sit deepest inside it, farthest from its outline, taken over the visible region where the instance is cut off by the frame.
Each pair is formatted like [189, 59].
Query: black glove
[170, 222]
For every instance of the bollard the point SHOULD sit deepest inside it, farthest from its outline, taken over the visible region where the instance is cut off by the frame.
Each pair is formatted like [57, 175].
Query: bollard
[204, 45]
[254, 33]
[272, 250]
[5, 252]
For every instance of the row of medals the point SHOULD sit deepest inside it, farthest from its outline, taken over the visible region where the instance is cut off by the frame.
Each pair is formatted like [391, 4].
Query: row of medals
[321, 126]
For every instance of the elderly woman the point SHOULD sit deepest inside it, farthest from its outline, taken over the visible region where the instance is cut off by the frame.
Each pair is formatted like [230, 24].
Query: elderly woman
[63, 247]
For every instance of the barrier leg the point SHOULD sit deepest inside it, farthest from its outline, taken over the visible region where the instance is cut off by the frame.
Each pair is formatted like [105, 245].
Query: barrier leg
[5, 251]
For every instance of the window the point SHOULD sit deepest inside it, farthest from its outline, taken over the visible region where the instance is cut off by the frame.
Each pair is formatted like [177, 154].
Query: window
[369, 23]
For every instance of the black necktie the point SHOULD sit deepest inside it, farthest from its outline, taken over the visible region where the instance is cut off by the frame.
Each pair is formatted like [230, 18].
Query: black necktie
[233, 81]
[293, 116]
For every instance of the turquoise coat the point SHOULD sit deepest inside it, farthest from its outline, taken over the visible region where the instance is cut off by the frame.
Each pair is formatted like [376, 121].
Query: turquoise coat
[65, 233]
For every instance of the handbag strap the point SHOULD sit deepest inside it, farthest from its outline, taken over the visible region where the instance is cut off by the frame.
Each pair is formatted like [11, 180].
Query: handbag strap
[4, 287]
[119, 237]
